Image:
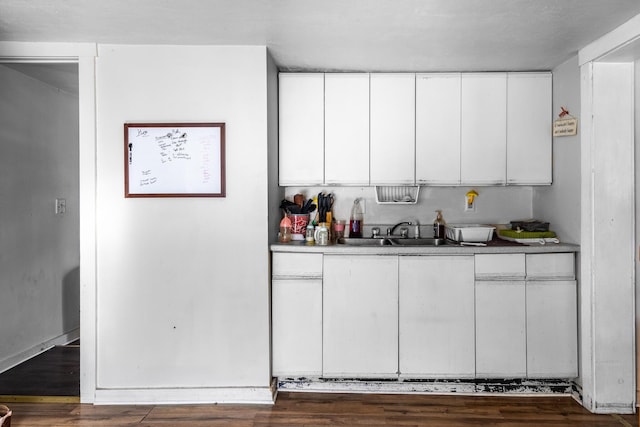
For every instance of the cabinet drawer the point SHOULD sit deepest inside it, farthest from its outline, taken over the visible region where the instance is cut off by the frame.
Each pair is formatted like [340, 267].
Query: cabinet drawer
[551, 266]
[296, 265]
[500, 266]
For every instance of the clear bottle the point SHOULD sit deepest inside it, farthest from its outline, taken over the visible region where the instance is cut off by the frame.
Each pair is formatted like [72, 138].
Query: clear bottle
[355, 222]
[285, 230]
[322, 234]
[309, 235]
[439, 226]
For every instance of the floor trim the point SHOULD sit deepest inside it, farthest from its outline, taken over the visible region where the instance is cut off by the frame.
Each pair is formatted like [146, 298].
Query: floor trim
[485, 386]
[39, 399]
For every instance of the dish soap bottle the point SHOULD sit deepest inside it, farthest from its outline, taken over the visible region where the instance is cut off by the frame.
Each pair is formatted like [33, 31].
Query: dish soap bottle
[438, 226]
[355, 223]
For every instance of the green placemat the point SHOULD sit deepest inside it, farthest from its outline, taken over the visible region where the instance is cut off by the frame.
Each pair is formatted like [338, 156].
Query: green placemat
[527, 234]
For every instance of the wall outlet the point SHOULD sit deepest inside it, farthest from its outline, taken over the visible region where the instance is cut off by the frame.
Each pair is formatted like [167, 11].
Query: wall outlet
[61, 206]
[469, 207]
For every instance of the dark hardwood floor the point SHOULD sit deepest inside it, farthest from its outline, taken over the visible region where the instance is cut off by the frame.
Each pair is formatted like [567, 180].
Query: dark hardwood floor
[327, 409]
[56, 372]
[44, 392]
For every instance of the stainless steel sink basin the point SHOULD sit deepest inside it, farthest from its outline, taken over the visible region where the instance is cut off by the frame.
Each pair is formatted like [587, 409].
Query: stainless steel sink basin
[420, 241]
[364, 241]
[392, 241]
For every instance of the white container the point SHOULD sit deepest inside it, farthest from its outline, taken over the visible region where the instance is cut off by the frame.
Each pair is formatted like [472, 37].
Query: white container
[469, 232]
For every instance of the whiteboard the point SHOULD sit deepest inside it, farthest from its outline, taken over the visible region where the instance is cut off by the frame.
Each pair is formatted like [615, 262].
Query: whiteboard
[174, 159]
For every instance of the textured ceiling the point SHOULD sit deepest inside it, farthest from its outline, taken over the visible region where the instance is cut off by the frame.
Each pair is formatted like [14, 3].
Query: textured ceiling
[349, 35]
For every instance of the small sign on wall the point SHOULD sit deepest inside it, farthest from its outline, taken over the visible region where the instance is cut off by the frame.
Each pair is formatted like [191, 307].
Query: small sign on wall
[566, 125]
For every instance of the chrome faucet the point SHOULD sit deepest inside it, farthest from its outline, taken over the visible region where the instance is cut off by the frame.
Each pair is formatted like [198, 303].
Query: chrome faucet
[404, 231]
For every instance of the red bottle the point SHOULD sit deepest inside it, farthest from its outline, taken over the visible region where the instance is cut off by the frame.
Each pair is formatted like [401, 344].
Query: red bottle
[355, 223]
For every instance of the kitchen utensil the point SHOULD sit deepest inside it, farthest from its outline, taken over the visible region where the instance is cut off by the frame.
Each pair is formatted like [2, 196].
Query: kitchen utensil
[322, 207]
[290, 207]
[308, 207]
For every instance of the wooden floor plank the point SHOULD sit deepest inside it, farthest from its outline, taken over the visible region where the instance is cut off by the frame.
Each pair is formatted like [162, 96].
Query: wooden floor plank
[56, 372]
[327, 409]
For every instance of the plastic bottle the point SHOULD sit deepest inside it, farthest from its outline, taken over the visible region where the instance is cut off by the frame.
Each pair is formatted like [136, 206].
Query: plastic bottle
[438, 226]
[309, 235]
[285, 230]
[322, 234]
[355, 222]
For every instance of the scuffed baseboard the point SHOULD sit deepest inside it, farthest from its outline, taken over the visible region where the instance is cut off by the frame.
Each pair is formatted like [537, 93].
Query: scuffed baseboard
[468, 386]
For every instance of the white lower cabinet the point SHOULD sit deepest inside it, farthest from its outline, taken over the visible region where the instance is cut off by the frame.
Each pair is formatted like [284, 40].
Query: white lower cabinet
[413, 317]
[552, 324]
[296, 314]
[500, 329]
[526, 316]
[436, 317]
[360, 313]
[552, 316]
[297, 327]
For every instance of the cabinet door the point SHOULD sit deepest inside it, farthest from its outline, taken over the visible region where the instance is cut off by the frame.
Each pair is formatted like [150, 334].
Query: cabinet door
[437, 336]
[301, 128]
[529, 128]
[484, 128]
[296, 317]
[360, 316]
[552, 329]
[393, 115]
[500, 329]
[438, 129]
[346, 140]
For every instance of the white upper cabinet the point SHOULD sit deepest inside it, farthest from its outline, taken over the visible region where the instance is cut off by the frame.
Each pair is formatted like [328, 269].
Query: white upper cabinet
[346, 129]
[484, 128]
[406, 129]
[438, 129]
[529, 128]
[301, 128]
[392, 138]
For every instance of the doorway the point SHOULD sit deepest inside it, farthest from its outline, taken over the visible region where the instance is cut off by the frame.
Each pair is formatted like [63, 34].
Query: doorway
[39, 219]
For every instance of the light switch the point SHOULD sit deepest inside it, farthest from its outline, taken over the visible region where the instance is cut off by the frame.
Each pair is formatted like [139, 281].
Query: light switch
[61, 206]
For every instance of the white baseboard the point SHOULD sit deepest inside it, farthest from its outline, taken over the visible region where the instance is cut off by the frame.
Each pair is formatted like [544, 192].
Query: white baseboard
[23, 356]
[146, 396]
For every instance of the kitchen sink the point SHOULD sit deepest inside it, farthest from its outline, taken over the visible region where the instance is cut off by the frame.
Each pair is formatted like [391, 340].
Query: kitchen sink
[364, 241]
[420, 241]
[392, 241]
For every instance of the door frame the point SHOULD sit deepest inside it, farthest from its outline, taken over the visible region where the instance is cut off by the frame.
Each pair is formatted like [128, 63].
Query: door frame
[608, 244]
[84, 54]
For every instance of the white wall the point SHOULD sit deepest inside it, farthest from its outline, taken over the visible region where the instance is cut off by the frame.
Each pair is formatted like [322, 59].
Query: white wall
[494, 205]
[560, 203]
[39, 252]
[182, 283]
